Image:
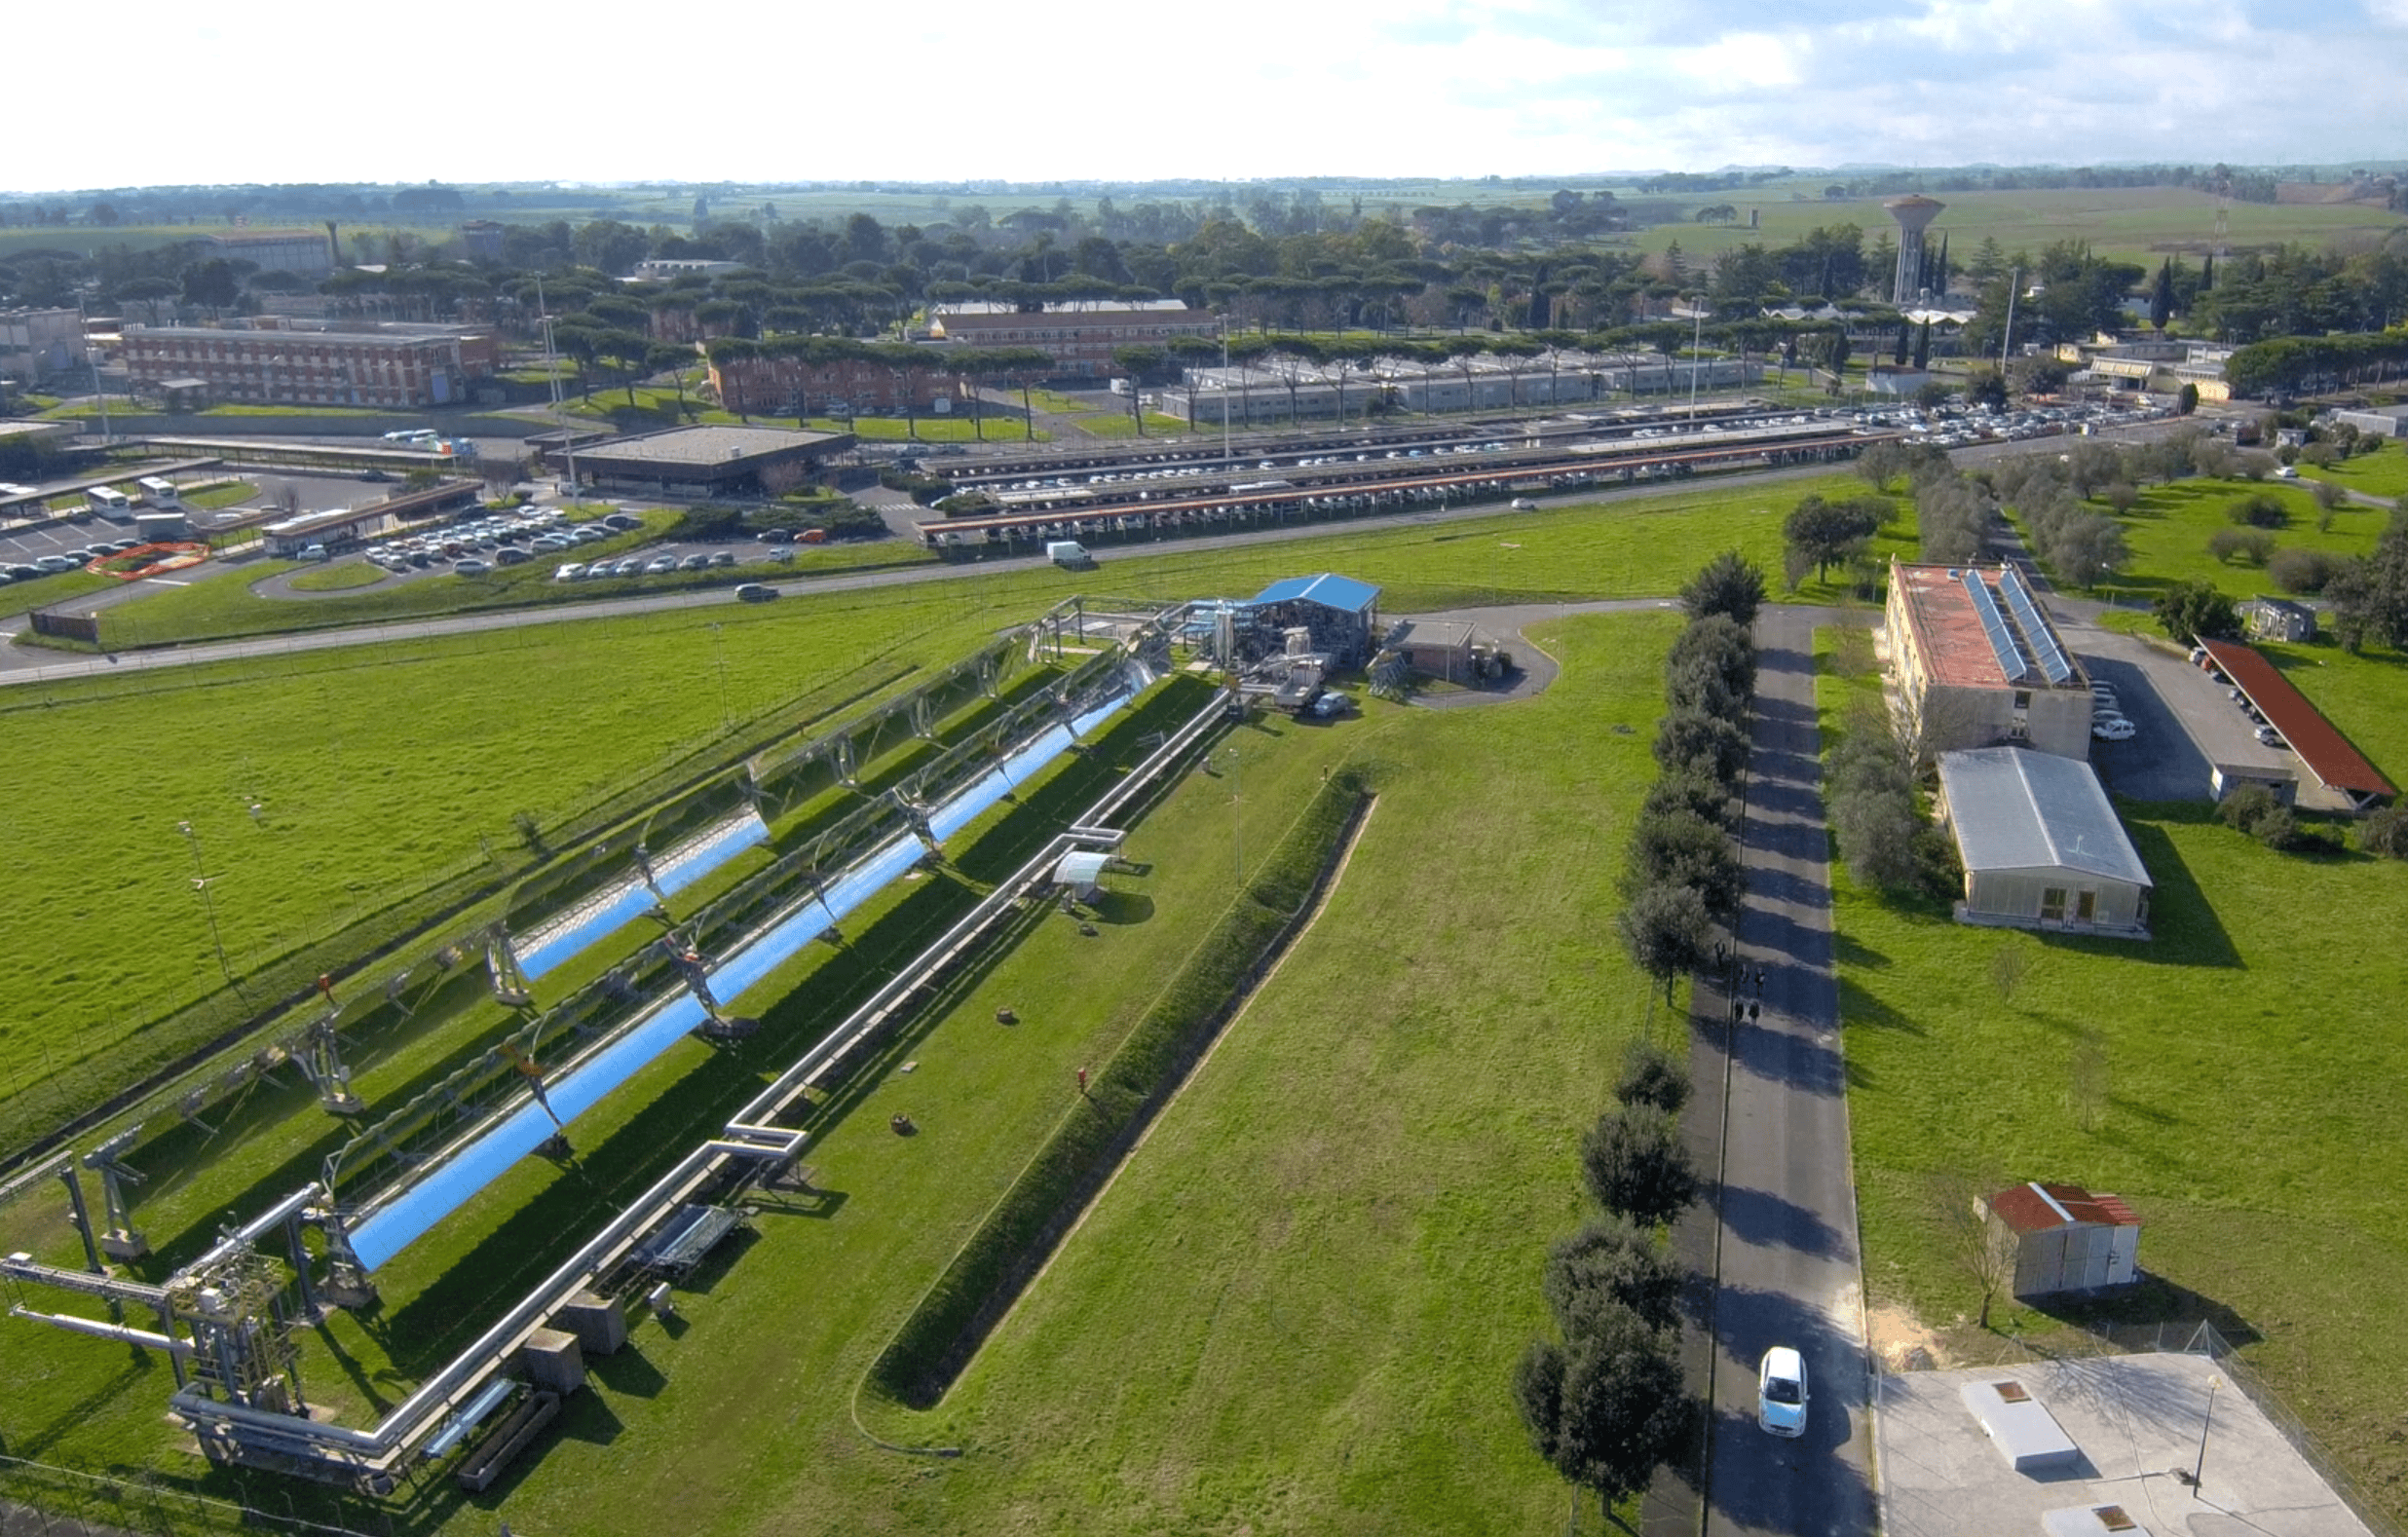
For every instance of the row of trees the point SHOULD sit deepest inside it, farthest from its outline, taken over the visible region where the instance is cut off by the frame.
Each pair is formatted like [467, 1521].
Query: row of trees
[1682, 879]
[1603, 1399]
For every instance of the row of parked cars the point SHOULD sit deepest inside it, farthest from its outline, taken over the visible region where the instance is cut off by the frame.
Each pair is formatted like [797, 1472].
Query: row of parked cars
[509, 539]
[2108, 721]
[2266, 732]
[66, 560]
[641, 566]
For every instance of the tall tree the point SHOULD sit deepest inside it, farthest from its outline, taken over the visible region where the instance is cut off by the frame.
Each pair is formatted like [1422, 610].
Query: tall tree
[1730, 583]
[1607, 1409]
[1636, 1165]
[2162, 295]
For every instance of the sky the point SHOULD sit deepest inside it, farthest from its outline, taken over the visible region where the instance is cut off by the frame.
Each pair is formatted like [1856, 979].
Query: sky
[946, 89]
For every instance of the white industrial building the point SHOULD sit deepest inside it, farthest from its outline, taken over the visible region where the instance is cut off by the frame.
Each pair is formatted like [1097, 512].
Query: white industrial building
[2041, 845]
[1282, 388]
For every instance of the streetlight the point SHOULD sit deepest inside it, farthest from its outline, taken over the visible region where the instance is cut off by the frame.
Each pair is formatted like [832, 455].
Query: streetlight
[2201, 1466]
[1237, 814]
[719, 650]
[209, 905]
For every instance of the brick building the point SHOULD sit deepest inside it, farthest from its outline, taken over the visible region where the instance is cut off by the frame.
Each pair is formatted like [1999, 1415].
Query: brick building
[1976, 662]
[1082, 341]
[390, 365]
[808, 383]
[309, 252]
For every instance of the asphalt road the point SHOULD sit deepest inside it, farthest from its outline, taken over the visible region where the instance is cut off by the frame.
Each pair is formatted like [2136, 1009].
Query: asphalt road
[1788, 1266]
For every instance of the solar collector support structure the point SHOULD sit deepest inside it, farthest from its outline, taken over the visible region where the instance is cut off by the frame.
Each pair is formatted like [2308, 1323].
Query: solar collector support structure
[457, 1174]
[1994, 625]
[2053, 663]
[371, 1457]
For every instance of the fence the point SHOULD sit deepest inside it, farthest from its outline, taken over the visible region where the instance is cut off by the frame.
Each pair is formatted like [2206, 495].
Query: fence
[40, 1500]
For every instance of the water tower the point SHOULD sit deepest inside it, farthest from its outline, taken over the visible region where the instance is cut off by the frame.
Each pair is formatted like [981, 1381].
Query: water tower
[1914, 215]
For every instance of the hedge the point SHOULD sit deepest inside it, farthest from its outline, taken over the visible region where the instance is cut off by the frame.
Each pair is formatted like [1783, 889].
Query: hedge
[1012, 1243]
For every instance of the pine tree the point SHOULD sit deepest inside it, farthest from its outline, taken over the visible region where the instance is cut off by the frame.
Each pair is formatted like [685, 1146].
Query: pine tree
[2162, 298]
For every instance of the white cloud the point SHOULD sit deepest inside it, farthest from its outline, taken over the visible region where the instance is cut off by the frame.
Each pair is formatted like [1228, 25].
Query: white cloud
[948, 90]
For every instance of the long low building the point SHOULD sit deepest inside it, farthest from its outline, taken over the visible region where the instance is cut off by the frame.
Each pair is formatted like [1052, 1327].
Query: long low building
[393, 365]
[2321, 748]
[703, 460]
[2041, 845]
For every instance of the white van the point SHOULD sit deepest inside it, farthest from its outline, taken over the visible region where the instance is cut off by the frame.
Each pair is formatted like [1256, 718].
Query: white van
[1068, 554]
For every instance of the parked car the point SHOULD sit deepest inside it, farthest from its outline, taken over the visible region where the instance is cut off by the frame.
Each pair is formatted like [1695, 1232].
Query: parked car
[57, 563]
[722, 557]
[569, 571]
[2115, 731]
[695, 562]
[469, 568]
[622, 521]
[661, 563]
[1780, 1392]
[1525, 505]
[2269, 736]
[755, 593]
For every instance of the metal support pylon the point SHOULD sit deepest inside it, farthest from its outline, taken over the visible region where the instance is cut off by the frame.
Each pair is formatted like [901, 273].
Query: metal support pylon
[120, 1241]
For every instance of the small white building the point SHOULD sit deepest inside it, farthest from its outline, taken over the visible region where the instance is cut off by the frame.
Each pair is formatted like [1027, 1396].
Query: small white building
[2041, 845]
[1081, 873]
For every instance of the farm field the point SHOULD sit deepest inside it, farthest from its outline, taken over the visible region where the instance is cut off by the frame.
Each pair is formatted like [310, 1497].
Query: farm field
[2135, 224]
[2220, 1077]
[1382, 1137]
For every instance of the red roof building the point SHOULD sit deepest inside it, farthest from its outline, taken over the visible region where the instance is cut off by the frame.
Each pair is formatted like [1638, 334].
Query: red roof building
[2067, 1239]
[2339, 767]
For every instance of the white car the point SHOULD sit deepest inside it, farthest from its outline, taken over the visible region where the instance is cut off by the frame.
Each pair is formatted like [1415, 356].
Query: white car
[2115, 731]
[1525, 505]
[1780, 1392]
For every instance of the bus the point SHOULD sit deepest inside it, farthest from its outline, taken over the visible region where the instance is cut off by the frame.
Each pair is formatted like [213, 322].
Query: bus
[110, 503]
[158, 492]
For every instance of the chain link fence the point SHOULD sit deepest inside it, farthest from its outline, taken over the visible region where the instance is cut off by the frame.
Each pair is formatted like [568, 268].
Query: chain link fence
[40, 1500]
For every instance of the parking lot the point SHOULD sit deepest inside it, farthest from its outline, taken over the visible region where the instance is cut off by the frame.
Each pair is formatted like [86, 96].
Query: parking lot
[2185, 723]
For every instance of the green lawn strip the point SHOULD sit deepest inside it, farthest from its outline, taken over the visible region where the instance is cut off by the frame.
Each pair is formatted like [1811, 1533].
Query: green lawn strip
[2239, 1076]
[339, 577]
[2383, 472]
[929, 428]
[38, 592]
[1120, 1098]
[2169, 529]
[219, 497]
[1118, 425]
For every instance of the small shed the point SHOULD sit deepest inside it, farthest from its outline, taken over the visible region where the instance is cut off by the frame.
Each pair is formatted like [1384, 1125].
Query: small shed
[2225, 778]
[1081, 873]
[2041, 845]
[1447, 650]
[2067, 1239]
[2279, 618]
[1339, 611]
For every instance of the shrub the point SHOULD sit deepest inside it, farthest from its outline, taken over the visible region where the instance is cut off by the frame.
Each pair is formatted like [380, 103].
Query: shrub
[2301, 570]
[2195, 611]
[1652, 1075]
[2258, 509]
[2386, 832]
[1731, 585]
[1611, 1264]
[2252, 545]
[2247, 807]
[1636, 1164]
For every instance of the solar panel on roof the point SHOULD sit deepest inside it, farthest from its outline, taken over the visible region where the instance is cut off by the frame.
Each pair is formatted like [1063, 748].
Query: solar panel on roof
[1994, 624]
[2035, 628]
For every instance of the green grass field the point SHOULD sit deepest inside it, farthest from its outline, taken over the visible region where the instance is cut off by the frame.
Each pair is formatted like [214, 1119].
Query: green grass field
[2242, 1094]
[2382, 474]
[378, 769]
[2169, 529]
[931, 429]
[2135, 224]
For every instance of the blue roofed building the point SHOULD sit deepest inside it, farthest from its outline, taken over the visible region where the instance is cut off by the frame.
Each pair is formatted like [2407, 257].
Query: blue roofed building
[1341, 612]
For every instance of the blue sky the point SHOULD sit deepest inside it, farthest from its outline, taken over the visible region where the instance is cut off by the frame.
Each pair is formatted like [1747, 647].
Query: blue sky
[939, 89]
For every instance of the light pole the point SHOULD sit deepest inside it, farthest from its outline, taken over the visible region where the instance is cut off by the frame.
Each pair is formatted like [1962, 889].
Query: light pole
[1697, 344]
[209, 905]
[718, 652]
[1237, 812]
[2201, 1466]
